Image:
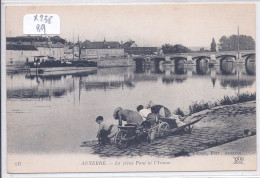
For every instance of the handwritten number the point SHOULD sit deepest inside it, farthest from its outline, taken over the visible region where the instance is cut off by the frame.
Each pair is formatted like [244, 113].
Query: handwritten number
[45, 18]
[41, 16]
[35, 18]
[49, 20]
[41, 28]
[38, 27]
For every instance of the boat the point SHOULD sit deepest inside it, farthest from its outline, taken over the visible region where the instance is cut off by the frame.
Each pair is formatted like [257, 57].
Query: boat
[44, 65]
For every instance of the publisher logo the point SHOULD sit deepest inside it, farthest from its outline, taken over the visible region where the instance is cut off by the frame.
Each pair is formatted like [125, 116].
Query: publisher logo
[238, 160]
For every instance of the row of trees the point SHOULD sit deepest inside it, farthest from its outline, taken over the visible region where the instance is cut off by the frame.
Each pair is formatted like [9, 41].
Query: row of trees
[231, 43]
[225, 44]
[178, 48]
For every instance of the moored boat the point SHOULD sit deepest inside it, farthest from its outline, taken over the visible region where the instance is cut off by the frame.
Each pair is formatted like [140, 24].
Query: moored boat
[49, 66]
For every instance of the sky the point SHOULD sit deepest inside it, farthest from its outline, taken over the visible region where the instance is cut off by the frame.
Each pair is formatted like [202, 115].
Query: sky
[148, 25]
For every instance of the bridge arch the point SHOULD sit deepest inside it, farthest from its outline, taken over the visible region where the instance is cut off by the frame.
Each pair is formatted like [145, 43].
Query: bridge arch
[229, 69]
[139, 60]
[197, 61]
[224, 57]
[199, 58]
[139, 63]
[177, 59]
[179, 69]
[157, 60]
[249, 58]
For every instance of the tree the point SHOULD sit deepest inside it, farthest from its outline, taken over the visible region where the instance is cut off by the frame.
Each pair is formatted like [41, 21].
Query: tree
[167, 48]
[223, 44]
[213, 46]
[56, 39]
[231, 43]
[178, 48]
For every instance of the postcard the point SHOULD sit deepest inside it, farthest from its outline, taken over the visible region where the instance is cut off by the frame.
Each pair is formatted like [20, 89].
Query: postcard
[136, 87]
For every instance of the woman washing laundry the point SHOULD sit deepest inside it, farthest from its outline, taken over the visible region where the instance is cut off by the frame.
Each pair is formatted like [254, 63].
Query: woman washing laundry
[131, 117]
[163, 112]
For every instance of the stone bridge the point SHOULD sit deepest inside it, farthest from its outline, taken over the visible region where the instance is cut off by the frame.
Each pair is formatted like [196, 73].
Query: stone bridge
[195, 57]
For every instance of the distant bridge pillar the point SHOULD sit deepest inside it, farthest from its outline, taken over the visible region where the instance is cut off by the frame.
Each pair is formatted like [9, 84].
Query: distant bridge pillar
[213, 59]
[167, 58]
[189, 60]
[239, 58]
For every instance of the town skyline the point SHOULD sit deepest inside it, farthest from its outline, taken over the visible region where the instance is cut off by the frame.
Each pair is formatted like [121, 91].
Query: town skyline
[148, 25]
[79, 41]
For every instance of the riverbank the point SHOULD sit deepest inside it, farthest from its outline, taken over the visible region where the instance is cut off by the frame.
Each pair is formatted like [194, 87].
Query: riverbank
[115, 62]
[220, 125]
[102, 63]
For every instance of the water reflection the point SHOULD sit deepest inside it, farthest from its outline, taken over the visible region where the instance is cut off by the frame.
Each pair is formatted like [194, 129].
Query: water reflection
[236, 83]
[126, 78]
[202, 67]
[227, 68]
[213, 77]
[180, 67]
[176, 73]
[250, 65]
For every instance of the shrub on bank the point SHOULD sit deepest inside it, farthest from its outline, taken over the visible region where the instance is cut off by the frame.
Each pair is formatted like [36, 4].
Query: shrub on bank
[227, 100]
[197, 107]
[241, 98]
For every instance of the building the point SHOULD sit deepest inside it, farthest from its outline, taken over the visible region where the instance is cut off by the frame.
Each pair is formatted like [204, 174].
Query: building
[55, 51]
[141, 50]
[68, 51]
[24, 48]
[132, 49]
[20, 53]
[97, 50]
[129, 44]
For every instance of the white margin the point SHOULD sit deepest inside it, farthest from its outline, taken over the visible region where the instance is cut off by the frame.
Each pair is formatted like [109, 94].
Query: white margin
[4, 173]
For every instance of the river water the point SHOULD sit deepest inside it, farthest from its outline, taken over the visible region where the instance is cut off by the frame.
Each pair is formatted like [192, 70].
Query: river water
[55, 114]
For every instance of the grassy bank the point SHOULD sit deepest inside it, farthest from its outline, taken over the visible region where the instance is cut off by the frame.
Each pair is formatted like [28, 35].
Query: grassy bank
[226, 100]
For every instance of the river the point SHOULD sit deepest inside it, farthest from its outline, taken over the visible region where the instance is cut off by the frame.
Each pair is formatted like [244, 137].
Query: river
[55, 114]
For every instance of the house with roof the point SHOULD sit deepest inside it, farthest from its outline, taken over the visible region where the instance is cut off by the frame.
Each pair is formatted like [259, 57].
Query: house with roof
[20, 53]
[129, 44]
[68, 50]
[55, 51]
[141, 50]
[24, 48]
[98, 50]
[131, 48]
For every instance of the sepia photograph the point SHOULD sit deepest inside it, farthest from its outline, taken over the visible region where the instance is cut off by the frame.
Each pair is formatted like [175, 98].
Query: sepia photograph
[116, 88]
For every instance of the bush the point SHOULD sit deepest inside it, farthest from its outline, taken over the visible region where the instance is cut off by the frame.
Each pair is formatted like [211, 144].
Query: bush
[227, 100]
[244, 97]
[196, 107]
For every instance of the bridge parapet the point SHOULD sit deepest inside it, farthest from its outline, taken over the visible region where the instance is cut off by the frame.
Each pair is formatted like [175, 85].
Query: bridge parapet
[218, 53]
